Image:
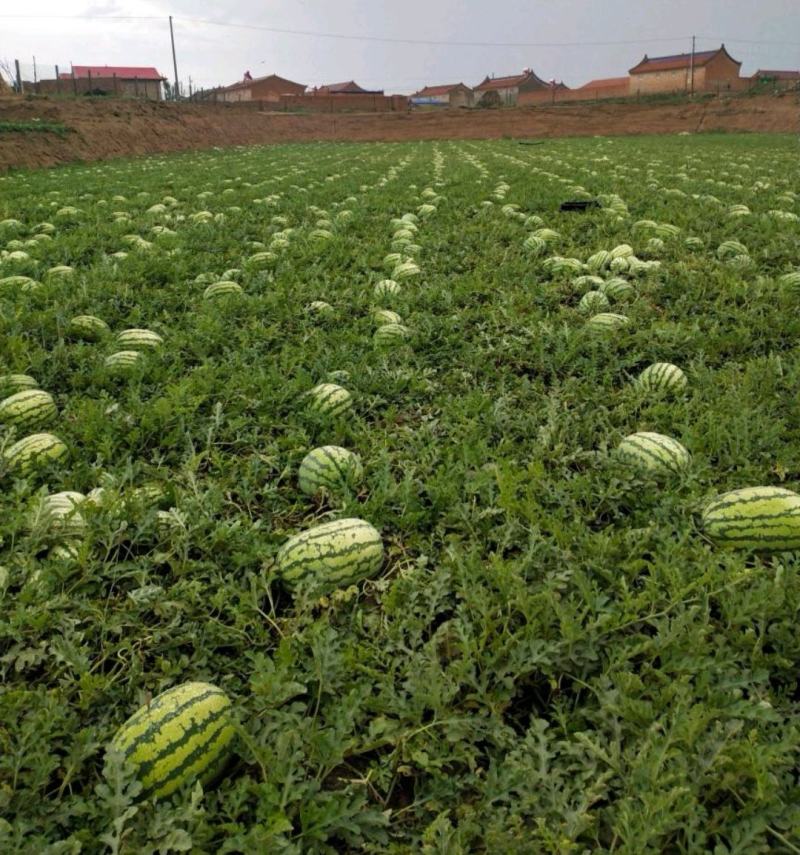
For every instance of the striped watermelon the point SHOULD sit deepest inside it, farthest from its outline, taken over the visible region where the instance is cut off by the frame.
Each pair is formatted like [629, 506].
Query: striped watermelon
[123, 361]
[11, 383]
[331, 400]
[391, 335]
[386, 288]
[320, 308]
[617, 288]
[607, 321]
[405, 270]
[386, 316]
[139, 339]
[593, 301]
[88, 327]
[329, 467]
[791, 280]
[653, 453]
[28, 409]
[38, 449]
[58, 514]
[222, 289]
[69, 550]
[339, 376]
[662, 376]
[331, 555]
[764, 518]
[599, 260]
[177, 737]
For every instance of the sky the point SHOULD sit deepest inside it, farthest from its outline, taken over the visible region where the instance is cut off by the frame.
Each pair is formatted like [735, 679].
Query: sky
[218, 40]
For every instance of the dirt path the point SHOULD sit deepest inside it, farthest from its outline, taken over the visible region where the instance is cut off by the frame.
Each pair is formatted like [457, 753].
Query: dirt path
[105, 129]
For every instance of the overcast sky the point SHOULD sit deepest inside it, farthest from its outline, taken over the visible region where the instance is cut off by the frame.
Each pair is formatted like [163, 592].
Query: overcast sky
[553, 38]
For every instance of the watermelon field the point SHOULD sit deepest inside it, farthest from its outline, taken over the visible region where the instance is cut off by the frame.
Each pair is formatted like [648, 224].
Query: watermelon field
[357, 498]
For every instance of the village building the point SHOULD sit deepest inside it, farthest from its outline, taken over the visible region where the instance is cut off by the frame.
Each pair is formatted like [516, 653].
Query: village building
[510, 91]
[349, 87]
[704, 71]
[120, 80]
[777, 79]
[268, 88]
[606, 87]
[448, 95]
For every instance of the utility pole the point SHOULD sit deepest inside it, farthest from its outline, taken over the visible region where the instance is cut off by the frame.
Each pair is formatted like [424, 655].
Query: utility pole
[691, 72]
[20, 89]
[174, 61]
[35, 76]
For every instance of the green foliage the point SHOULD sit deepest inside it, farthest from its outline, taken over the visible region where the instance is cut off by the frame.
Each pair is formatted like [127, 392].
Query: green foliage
[553, 658]
[34, 126]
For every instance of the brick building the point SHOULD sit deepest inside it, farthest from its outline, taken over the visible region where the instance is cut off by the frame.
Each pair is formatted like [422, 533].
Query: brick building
[268, 88]
[511, 90]
[349, 87]
[448, 95]
[126, 81]
[712, 70]
[776, 79]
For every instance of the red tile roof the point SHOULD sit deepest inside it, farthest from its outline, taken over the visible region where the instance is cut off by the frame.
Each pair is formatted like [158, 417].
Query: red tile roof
[777, 75]
[508, 82]
[431, 91]
[245, 84]
[678, 61]
[349, 87]
[605, 83]
[124, 72]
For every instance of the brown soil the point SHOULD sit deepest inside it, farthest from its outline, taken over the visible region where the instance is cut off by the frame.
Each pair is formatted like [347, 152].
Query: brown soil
[105, 129]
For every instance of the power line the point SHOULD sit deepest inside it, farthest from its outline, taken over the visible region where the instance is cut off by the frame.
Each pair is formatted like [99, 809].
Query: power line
[391, 40]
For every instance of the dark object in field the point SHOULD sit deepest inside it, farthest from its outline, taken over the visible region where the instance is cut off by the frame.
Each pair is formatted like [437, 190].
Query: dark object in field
[580, 205]
[530, 142]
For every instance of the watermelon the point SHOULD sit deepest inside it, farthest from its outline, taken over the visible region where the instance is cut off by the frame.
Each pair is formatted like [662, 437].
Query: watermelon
[386, 288]
[328, 399]
[391, 335]
[11, 383]
[662, 376]
[321, 308]
[123, 361]
[791, 280]
[139, 339]
[607, 321]
[33, 451]
[599, 260]
[69, 550]
[616, 288]
[28, 409]
[653, 453]
[329, 467]
[762, 518]
[593, 301]
[88, 327]
[339, 376]
[386, 316]
[331, 555]
[222, 289]
[58, 514]
[177, 737]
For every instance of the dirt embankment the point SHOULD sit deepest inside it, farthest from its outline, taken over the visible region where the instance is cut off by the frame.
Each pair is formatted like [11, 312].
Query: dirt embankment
[105, 129]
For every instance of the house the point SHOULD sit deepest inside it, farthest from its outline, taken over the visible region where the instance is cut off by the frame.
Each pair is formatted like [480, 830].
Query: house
[350, 87]
[508, 91]
[777, 79]
[448, 95]
[249, 88]
[124, 80]
[704, 71]
[606, 87]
